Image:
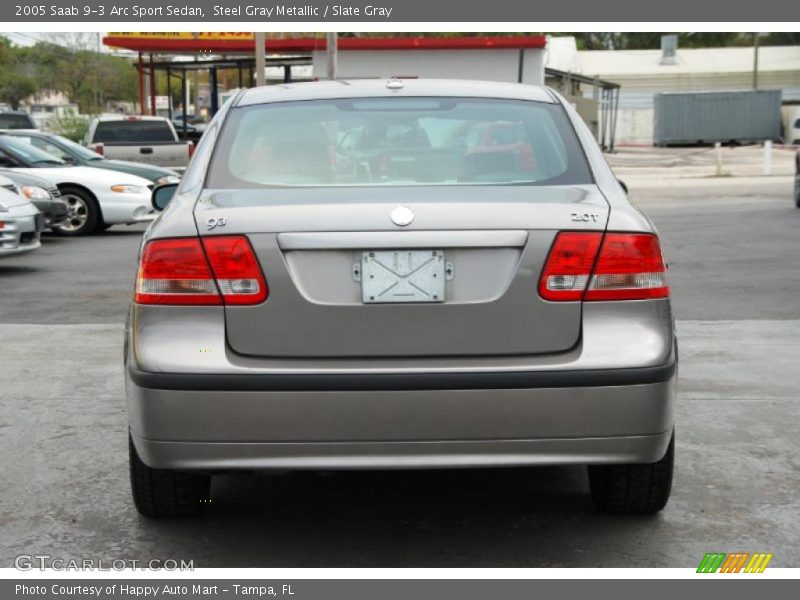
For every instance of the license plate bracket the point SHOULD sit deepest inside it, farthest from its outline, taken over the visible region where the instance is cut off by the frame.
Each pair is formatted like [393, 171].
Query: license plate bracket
[402, 276]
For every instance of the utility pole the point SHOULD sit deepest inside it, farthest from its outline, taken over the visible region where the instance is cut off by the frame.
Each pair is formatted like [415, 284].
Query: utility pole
[97, 59]
[196, 97]
[261, 59]
[755, 61]
[333, 54]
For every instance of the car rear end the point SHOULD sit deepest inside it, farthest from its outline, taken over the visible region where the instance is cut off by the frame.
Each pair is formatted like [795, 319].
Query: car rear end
[148, 140]
[17, 120]
[361, 288]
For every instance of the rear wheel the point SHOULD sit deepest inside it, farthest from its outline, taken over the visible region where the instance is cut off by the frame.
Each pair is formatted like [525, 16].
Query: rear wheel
[635, 488]
[83, 213]
[797, 182]
[166, 493]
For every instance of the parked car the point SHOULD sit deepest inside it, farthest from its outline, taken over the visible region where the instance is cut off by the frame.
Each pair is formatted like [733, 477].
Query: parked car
[151, 140]
[73, 153]
[435, 309]
[43, 194]
[797, 178]
[20, 224]
[96, 199]
[195, 125]
[17, 119]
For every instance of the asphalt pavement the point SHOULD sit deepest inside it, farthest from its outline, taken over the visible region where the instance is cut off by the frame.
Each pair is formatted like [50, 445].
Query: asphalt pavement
[732, 245]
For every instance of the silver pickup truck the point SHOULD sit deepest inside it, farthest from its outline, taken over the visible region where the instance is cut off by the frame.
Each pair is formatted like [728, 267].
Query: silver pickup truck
[151, 140]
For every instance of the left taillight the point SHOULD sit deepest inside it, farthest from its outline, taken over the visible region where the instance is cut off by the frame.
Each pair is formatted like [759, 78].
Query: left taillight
[188, 271]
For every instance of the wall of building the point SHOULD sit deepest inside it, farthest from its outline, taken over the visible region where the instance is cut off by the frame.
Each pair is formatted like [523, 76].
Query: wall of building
[482, 64]
[642, 75]
[635, 126]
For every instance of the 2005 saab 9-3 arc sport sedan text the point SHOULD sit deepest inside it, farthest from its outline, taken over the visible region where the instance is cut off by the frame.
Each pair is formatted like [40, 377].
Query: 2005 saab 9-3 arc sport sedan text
[401, 274]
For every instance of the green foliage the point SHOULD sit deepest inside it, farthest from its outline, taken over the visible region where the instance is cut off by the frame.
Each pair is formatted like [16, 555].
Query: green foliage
[86, 77]
[70, 126]
[18, 75]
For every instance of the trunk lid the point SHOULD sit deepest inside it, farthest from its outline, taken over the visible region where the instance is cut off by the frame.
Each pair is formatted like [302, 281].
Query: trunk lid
[312, 244]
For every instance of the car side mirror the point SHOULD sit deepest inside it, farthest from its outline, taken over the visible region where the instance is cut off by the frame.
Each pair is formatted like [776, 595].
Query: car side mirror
[69, 159]
[162, 194]
[623, 185]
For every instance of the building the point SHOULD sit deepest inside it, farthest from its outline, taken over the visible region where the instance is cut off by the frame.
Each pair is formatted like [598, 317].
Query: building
[519, 59]
[644, 73]
[47, 105]
[496, 58]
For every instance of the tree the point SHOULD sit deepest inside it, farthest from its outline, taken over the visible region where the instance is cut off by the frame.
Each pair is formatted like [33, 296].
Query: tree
[19, 77]
[86, 77]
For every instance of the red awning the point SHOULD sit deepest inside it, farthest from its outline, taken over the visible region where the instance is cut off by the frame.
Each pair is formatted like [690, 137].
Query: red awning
[177, 45]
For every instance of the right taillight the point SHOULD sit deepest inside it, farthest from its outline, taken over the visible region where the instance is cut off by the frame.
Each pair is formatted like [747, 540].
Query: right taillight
[630, 267]
[615, 266]
[217, 270]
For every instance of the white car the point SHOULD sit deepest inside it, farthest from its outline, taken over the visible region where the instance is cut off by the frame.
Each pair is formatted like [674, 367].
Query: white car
[96, 198]
[20, 224]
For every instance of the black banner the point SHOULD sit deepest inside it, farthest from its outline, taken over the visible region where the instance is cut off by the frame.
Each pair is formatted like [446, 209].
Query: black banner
[731, 587]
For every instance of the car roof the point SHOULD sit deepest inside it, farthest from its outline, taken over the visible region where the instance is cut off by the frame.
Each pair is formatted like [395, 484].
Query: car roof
[21, 132]
[131, 118]
[376, 88]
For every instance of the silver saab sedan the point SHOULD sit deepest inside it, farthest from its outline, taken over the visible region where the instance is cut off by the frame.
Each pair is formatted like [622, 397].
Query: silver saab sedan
[402, 274]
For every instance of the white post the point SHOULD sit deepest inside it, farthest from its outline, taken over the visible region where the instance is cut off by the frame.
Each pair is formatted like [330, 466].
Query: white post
[261, 61]
[767, 158]
[333, 54]
[718, 152]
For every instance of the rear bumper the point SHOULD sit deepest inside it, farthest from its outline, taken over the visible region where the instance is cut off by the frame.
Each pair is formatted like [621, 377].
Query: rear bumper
[195, 404]
[373, 382]
[216, 457]
[225, 430]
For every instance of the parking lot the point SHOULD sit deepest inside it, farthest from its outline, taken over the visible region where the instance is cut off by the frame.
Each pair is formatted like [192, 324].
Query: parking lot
[732, 244]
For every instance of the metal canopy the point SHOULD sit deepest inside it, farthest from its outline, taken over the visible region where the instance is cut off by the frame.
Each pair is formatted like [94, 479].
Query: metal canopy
[179, 68]
[606, 93]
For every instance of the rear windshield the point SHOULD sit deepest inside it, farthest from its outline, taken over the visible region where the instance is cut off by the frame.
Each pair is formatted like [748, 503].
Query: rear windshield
[398, 142]
[12, 121]
[133, 131]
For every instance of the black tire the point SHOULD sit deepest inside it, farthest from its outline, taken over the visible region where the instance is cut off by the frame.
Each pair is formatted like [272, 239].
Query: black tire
[83, 212]
[163, 493]
[797, 181]
[633, 489]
